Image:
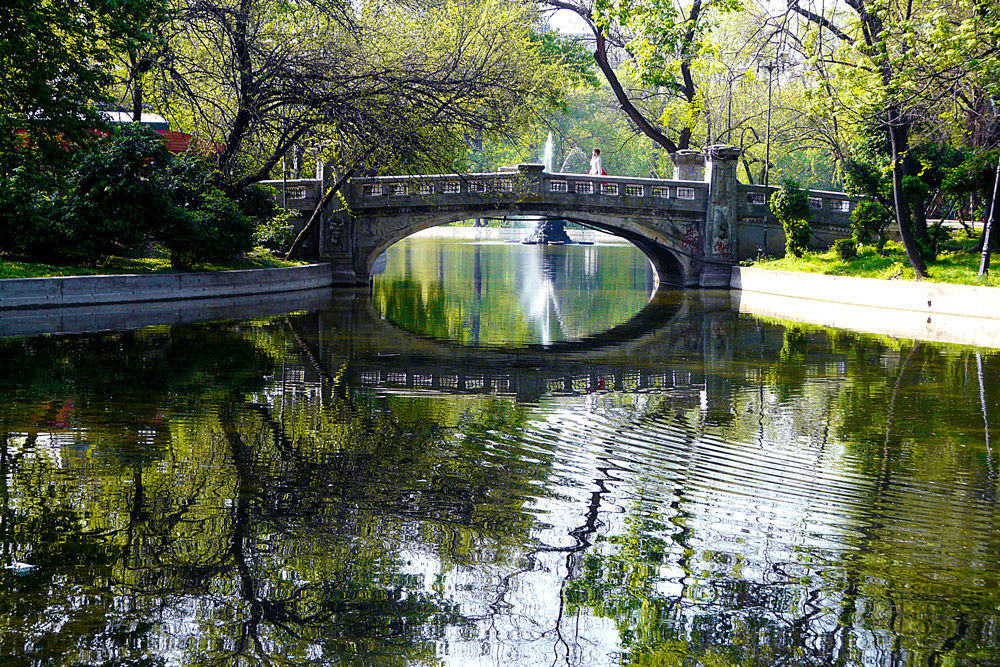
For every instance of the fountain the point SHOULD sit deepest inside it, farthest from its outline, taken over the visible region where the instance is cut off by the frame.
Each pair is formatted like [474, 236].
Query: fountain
[547, 153]
[547, 230]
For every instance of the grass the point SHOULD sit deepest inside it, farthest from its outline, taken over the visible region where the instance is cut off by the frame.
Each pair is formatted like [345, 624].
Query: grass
[9, 268]
[954, 265]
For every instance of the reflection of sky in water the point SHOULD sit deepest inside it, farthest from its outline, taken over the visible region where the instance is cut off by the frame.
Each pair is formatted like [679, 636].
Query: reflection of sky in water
[767, 503]
[764, 508]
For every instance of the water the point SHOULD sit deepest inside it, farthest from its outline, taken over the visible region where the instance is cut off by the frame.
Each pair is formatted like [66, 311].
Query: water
[330, 487]
[508, 295]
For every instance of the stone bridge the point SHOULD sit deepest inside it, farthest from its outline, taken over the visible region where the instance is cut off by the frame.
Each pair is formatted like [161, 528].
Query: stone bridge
[693, 228]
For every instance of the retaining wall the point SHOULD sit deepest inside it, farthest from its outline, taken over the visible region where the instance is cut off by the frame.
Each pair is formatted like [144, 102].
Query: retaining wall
[131, 288]
[961, 314]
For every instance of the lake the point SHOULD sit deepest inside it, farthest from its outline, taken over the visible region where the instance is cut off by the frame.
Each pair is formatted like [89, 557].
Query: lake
[498, 455]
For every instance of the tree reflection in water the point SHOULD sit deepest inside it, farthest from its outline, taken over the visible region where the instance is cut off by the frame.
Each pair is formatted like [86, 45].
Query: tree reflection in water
[236, 494]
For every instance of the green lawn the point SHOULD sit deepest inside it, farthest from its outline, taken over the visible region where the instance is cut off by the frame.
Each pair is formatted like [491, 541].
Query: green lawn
[955, 265]
[116, 265]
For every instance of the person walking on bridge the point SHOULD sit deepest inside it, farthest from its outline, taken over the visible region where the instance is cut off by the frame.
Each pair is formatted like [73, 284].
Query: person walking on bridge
[596, 168]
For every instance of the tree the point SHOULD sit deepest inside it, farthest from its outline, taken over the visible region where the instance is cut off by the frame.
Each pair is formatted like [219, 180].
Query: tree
[902, 64]
[54, 71]
[376, 87]
[790, 204]
[116, 198]
[660, 44]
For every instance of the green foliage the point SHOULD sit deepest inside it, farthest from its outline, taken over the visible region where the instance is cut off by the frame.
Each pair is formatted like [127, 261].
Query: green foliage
[257, 201]
[216, 230]
[869, 220]
[55, 59]
[204, 224]
[570, 55]
[117, 195]
[277, 232]
[790, 204]
[28, 212]
[973, 177]
[955, 265]
[846, 249]
[122, 195]
[936, 162]
[862, 178]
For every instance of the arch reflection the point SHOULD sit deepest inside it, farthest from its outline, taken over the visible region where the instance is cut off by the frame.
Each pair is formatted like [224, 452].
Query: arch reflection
[497, 294]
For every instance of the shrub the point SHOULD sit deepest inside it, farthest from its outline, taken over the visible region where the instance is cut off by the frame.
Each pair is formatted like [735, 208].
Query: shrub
[126, 192]
[258, 202]
[790, 204]
[206, 225]
[869, 220]
[214, 230]
[846, 249]
[30, 213]
[276, 233]
[117, 197]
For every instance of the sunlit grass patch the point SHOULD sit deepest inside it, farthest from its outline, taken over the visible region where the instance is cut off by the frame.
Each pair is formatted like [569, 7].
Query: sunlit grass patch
[120, 265]
[955, 266]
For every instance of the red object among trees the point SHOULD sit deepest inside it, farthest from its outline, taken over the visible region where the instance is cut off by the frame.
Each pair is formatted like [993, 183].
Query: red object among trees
[177, 142]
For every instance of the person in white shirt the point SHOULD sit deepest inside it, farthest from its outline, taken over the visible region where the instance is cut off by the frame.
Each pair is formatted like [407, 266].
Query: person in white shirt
[596, 168]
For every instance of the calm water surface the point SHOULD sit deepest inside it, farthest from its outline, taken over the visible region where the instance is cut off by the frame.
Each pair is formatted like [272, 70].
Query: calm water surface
[517, 464]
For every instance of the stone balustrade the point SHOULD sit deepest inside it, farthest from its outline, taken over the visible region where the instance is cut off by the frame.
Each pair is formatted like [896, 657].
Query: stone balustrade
[301, 194]
[516, 186]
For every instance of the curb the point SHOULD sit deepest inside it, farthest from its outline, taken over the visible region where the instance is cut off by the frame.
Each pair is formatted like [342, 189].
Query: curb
[135, 288]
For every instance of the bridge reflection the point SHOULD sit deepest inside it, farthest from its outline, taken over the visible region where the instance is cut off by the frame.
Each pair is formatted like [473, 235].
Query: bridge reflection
[673, 345]
[677, 343]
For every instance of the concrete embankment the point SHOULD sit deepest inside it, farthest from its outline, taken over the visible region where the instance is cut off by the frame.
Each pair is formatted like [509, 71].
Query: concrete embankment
[938, 312]
[126, 316]
[136, 288]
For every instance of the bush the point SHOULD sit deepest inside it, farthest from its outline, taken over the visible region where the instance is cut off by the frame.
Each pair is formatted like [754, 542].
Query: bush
[790, 204]
[214, 230]
[846, 249]
[276, 233]
[125, 193]
[258, 202]
[116, 197]
[30, 213]
[869, 220]
[206, 225]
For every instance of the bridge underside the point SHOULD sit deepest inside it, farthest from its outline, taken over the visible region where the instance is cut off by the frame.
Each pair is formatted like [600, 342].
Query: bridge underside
[671, 243]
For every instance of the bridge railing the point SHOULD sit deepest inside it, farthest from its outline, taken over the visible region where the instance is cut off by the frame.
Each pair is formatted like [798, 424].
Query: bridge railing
[515, 186]
[301, 194]
[831, 209]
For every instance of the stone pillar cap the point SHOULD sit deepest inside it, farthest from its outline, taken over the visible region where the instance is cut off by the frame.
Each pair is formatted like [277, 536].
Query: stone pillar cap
[722, 152]
[530, 168]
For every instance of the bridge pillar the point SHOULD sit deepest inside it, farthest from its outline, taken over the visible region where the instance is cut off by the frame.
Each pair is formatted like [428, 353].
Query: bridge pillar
[689, 165]
[720, 217]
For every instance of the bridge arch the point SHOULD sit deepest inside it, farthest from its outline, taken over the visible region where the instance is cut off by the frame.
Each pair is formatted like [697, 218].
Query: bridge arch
[671, 264]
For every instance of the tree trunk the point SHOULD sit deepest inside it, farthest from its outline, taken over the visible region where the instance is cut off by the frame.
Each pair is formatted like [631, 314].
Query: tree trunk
[139, 66]
[601, 57]
[900, 145]
[136, 101]
[989, 228]
[994, 237]
[918, 209]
